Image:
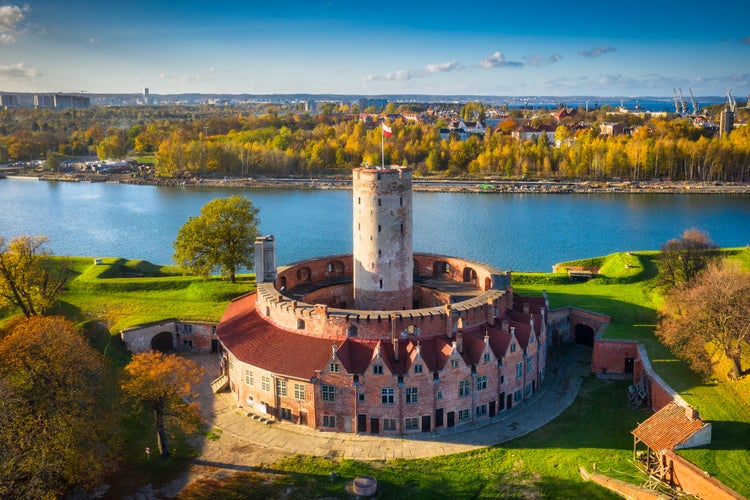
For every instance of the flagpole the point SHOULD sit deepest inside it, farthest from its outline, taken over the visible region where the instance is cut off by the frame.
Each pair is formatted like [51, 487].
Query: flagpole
[382, 146]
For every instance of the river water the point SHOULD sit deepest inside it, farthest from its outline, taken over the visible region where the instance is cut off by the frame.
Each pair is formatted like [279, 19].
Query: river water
[520, 232]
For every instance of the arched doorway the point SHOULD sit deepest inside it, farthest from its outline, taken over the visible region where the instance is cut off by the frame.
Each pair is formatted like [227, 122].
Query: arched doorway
[162, 341]
[584, 335]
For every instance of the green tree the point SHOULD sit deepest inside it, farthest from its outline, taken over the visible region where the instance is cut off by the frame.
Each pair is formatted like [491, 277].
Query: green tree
[682, 259]
[162, 383]
[709, 316]
[29, 278]
[112, 146]
[221, 237]
[54, 400]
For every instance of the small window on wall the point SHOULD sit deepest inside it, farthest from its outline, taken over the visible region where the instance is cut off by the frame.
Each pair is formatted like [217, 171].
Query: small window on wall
[329, 421]
[300, 324]
[389, 424]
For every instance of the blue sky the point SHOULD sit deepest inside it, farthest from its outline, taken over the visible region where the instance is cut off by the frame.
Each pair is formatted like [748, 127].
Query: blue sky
[352, 47]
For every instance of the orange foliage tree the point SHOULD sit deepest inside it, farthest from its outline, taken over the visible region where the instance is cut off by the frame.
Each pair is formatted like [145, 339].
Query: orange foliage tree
[55, 407]
[709, 316]
[162, 383]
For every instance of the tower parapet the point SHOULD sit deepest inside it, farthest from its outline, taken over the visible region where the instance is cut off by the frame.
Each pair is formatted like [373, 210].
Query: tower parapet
[382, 234]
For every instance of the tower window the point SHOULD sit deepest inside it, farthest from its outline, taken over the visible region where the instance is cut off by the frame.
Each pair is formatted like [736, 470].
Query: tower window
[381, 284]
[359, 201]
[401, 201]
[379, 228]
[402, 229]
[380, 252]
[380, 202]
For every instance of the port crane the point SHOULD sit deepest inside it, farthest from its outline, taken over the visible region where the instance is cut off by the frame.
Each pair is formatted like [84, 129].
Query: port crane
[731, 103]
[680, 107]
[692, 101]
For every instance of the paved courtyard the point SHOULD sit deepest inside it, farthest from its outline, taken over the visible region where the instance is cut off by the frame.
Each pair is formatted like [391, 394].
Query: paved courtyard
[245, 444]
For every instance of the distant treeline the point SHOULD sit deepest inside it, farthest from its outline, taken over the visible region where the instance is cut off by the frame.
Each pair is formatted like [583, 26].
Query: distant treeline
[213, 141]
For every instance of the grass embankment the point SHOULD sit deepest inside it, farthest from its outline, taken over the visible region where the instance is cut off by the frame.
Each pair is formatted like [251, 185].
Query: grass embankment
[132, 292]
[625, 290]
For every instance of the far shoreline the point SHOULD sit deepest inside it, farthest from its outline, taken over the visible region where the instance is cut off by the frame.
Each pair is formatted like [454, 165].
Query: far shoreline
[480, 186]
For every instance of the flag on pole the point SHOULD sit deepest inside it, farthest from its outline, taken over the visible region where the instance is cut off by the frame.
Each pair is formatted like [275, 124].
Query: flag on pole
[387, 130]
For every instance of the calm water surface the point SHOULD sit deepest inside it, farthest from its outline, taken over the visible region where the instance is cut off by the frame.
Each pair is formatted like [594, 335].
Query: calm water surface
[523, 232]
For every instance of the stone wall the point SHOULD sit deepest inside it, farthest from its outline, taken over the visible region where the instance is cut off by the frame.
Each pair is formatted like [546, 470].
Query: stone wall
[281, 310]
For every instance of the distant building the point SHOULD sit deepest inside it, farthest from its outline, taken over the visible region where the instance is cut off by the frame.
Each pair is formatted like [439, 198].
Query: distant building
[726, 122]
[8, 101]
[146, 97]
[378, 104]
[611, 128]
[61, 101]
[463, 129]
[532, 134]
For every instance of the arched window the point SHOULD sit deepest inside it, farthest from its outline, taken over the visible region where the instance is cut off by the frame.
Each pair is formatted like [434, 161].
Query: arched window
[470, 275]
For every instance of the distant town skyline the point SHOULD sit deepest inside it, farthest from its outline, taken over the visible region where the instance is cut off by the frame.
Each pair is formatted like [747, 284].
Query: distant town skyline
[342, 47]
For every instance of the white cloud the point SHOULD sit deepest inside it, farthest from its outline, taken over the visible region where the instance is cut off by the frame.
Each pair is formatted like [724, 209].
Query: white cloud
[18, 71]
[540, 60]
[404, 75]
[181, 78]
[441, 67]
[10, 17]
[497, 60]
[93, 41]
[596, 51]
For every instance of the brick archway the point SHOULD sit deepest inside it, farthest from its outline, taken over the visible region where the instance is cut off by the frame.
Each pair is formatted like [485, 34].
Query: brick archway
[162, 342]
[584, 335]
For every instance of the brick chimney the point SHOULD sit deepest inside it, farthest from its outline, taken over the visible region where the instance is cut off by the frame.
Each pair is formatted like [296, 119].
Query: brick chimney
[460, 342]
[526, 308]
[504, 325]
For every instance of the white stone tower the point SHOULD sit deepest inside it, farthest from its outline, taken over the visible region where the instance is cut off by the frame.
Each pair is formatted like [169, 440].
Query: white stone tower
[383, 260]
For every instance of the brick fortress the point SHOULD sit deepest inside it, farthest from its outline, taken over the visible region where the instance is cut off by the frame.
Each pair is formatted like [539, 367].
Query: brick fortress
[383, 340]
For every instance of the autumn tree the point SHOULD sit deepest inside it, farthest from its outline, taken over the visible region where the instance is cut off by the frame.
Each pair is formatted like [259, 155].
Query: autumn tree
[709, 316]
[55, 399]
[221, 237]
[29, 278]
[162, 383]
[682, 259]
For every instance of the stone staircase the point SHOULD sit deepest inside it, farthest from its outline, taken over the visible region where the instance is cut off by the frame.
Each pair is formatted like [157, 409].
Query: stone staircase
[220, 383]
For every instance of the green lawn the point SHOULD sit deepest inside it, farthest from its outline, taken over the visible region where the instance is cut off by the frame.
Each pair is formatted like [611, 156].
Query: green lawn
[628, 295]
[595, 430]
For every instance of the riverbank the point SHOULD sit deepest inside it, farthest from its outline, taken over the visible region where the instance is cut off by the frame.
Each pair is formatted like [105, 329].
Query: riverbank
[419, 184]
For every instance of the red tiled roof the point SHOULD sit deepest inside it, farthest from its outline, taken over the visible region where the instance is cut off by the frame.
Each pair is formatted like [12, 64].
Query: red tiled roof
[253, 340]
[356, 356]
[668, 427]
